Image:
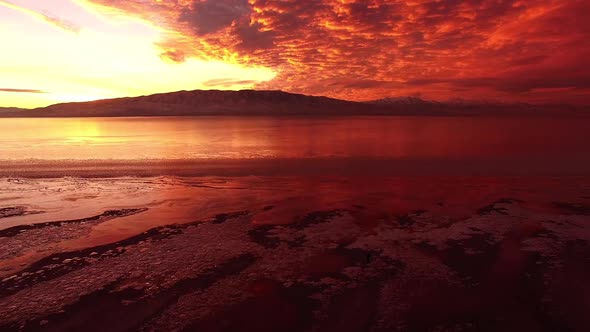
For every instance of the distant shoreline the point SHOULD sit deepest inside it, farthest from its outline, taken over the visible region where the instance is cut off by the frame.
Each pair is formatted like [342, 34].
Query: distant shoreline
[290, 167]
[279, 103]
[319, 115]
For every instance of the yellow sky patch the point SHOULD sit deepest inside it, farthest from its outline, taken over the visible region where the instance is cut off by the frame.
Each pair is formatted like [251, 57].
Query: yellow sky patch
[120, 58]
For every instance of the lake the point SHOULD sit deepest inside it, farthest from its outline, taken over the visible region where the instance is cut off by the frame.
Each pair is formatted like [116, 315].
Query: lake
[428, 144]
[158, 220]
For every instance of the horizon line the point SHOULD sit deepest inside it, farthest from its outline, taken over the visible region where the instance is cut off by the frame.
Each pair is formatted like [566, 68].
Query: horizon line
[450, 100]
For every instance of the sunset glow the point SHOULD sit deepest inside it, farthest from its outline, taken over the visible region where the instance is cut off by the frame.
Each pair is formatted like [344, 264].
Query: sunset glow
[88, 54]
[77, 50]
[294, 165]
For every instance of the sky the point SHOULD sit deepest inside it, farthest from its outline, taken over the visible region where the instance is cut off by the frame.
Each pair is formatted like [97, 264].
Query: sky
[533, 51]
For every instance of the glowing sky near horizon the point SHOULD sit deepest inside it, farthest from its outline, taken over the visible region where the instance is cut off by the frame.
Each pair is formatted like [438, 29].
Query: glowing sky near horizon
[512, 50]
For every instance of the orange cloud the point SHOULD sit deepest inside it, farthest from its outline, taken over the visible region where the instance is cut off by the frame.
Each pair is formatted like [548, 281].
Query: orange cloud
[228, 82]
[365, 49]
[49, 18]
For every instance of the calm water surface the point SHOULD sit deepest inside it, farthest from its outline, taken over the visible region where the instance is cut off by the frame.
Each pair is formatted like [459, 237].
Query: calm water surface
[265, 137]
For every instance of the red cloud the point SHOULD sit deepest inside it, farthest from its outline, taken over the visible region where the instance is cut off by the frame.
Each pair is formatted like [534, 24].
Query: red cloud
[364, 49]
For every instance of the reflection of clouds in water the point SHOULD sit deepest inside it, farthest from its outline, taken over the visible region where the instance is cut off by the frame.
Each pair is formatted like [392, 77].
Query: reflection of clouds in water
[210, 137]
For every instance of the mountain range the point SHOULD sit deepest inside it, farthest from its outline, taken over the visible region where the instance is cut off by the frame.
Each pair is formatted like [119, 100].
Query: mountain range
[257, 102]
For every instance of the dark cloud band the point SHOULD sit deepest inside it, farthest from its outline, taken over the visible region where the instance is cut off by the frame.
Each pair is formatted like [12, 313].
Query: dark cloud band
[21, 90]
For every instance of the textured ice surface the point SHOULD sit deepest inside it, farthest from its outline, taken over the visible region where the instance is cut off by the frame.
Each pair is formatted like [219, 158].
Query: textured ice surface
[295, 253]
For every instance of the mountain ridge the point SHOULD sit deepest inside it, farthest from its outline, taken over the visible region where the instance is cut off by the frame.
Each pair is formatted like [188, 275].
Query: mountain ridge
[275, 103]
